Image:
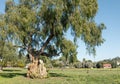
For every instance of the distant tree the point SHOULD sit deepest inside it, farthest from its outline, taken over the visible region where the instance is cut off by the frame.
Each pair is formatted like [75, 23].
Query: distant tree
[115, 62]
[78, 64]
[39, 26]
[69, 51]
[9, 55]
[57, 63]
[99, 65]
[87, 63]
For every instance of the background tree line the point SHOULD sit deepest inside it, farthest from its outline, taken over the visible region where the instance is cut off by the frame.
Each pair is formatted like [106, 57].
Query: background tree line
[11, 58]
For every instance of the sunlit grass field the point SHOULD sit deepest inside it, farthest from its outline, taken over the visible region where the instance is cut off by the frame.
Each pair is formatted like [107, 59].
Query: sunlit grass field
[63, 76]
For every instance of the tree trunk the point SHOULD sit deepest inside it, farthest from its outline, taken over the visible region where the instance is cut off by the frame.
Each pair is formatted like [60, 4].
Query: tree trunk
[36, 68]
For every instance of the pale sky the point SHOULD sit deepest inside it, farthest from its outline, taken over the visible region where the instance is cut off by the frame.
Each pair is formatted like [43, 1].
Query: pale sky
[109, 14]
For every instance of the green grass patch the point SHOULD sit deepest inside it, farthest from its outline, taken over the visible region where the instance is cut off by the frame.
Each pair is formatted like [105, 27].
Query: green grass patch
[65, 76]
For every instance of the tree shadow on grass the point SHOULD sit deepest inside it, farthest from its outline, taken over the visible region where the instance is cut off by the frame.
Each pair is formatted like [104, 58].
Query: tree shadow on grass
[11, 75]
[57, 75]
[10, 70]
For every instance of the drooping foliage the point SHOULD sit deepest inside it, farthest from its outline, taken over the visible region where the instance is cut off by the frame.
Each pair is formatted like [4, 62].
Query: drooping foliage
[69, 51]
[39, 26]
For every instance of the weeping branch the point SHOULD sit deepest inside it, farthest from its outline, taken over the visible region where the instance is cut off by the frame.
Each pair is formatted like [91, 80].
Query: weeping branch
[46, 43]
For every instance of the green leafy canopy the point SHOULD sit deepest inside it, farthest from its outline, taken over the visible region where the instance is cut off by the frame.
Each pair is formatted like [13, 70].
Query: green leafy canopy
[39, 26]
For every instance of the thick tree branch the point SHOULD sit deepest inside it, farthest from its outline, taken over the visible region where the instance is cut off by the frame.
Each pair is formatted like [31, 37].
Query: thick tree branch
[46, 43]
[48, 40]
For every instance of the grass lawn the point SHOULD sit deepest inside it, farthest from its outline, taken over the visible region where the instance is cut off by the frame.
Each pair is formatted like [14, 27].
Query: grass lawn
[66, 76]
